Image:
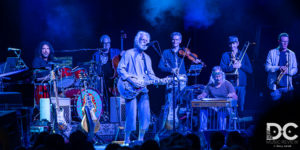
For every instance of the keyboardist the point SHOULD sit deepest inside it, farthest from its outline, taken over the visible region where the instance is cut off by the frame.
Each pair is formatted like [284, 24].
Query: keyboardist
[217, 87]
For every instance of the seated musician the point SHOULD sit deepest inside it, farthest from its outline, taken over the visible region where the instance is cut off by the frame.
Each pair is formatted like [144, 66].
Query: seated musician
[44, 54]
[42, 66]
[218, 87]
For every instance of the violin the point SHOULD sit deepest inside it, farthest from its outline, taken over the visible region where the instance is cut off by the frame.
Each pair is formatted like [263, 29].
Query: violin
[186, 52]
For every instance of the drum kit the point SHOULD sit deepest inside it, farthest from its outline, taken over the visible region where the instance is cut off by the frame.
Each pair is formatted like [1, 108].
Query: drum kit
[70, 85]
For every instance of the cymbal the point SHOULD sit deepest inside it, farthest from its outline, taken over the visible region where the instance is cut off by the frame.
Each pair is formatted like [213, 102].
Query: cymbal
[41, 68]
[55, 62]
[87, 62]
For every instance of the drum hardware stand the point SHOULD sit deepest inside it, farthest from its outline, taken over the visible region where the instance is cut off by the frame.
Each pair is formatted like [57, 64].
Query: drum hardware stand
[174, 100]
[100, 75]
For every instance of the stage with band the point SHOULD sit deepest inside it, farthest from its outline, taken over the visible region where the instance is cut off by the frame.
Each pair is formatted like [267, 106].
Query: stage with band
[149, 75]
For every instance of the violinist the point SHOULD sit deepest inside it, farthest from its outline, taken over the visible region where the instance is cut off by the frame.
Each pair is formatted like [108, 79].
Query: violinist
[173, 64]
[230, 63]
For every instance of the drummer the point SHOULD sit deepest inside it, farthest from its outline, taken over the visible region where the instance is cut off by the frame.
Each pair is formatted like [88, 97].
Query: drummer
[44, 54]
[41, 65]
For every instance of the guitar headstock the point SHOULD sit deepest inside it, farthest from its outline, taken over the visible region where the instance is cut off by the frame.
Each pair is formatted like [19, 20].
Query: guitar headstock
[52, 73]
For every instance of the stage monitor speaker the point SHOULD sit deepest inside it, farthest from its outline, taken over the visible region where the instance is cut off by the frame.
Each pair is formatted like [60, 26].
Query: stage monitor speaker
[10, 137]
[117, 109]
[10, 99]
[45, 108]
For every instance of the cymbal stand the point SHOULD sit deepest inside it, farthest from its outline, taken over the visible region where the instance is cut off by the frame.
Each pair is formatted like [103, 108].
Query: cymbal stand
[99, 76]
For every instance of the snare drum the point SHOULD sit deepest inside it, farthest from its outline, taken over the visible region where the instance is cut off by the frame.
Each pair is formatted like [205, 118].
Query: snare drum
[41, 90]
[96, 99]
[65, 77]
[77, 73]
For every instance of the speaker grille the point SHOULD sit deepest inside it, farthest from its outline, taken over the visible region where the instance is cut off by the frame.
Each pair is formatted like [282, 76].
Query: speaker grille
[65, 104]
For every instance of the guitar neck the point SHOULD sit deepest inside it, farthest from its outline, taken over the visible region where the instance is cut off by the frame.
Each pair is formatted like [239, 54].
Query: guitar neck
[161, 81]
[149, 82]
[55, 89]
[87, 98]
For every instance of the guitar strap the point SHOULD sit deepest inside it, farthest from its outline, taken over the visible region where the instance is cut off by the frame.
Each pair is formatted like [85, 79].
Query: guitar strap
[145, 65]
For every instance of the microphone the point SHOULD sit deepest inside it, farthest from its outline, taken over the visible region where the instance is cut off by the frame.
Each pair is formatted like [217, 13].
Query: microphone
[151, 43]
[252, 43]
[13, 49]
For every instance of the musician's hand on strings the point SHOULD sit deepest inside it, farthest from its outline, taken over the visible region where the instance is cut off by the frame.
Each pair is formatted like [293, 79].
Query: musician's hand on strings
[232, 95]
[201, 96]
[134, 82]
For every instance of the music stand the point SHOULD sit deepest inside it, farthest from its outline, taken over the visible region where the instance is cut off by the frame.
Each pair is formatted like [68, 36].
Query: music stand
[195, 70]
[10, 64]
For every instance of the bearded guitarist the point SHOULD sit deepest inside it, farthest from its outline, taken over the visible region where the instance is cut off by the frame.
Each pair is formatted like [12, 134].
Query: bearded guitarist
[135, 66]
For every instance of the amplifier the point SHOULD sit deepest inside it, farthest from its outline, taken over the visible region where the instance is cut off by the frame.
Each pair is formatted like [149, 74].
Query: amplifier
[39, 129]
[65, 104]
[10, 99]
[117, 109]
[45, 108]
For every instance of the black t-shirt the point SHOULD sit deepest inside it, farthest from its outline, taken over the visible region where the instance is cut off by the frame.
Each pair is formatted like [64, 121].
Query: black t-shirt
[220, 92]
[39, 63]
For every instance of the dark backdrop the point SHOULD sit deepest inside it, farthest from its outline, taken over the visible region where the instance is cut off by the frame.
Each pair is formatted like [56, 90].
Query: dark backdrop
[75, 24]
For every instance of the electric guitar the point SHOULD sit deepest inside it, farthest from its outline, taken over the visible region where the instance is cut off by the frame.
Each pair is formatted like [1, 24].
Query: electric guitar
[89, 121]
[129, 91]
[60, 119]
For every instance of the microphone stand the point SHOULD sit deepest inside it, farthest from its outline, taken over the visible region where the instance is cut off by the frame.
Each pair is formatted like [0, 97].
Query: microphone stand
[103, 87]
[288, 85]
[174, 75]
[173, 83]
[174, 99]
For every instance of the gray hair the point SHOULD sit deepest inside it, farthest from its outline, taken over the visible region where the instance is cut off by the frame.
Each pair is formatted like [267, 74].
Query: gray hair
[216, 69]
[105, 36]
[176, 34]
[138, 36]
